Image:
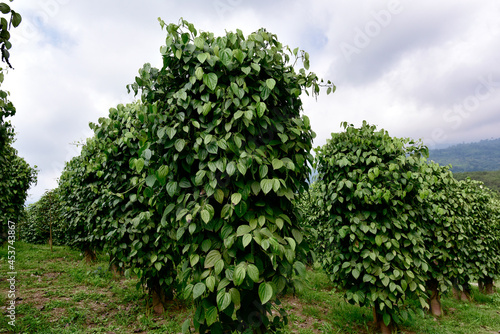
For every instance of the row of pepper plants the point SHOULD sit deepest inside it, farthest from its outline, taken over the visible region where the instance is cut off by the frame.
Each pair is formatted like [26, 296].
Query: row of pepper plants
[390, 227]
[192, 187]
[199, 189]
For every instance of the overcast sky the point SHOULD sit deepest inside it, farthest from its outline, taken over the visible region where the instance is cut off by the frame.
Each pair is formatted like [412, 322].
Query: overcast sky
[420, 69]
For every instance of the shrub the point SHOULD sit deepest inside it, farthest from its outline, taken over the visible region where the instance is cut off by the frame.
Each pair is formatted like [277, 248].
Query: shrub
[43, 221]
[223, 118]
[370, 235]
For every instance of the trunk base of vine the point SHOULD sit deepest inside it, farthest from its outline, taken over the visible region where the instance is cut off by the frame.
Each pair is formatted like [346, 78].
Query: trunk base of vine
[158, 302]
[489, 289]
[116, 270]
[384, 329]
[435, 298]
[463, 295]
[380, 324]
[160, 299]
[486, 286]
[90, 255]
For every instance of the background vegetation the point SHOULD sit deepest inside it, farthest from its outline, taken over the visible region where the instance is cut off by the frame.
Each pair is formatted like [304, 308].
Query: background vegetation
[469, 157]
[491, 179]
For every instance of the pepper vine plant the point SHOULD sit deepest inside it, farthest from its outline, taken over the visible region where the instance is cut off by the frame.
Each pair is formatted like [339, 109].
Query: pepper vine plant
[80, 195]
[370, 238]
[223, 128]
[43, 222]
[16, 177]
[133, 230]
[447, 225]
[483, 247]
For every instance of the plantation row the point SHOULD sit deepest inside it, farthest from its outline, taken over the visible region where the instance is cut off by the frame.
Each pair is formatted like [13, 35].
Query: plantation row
[389, 227]
[200, 189]
[192, 187]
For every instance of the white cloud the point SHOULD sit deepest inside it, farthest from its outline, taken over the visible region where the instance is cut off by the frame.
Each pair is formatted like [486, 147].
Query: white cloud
[415, 62]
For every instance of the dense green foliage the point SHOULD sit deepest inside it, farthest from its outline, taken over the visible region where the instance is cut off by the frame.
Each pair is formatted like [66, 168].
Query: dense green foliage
[13, 19]
[7, 109]
[483, 248]
[82, 203]
[388, 226]
[192, 188]
[447, 229]
[480, 156]
[225, 122]
[370, 237]
[16, 176]
[309, 215]
[491, 179]
[43, 219]
[200, 189]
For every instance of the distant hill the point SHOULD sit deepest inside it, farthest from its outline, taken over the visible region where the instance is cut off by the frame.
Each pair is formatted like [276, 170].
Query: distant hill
[471, 157]
[490, 179]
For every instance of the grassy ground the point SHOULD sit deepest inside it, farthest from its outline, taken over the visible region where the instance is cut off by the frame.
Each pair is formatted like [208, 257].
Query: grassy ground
[59, 293]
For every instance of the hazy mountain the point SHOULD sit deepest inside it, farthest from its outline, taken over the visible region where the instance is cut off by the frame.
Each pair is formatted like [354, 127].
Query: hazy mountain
[470, 157]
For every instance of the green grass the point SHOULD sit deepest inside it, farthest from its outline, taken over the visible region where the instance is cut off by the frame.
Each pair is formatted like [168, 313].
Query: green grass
[61, 293]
